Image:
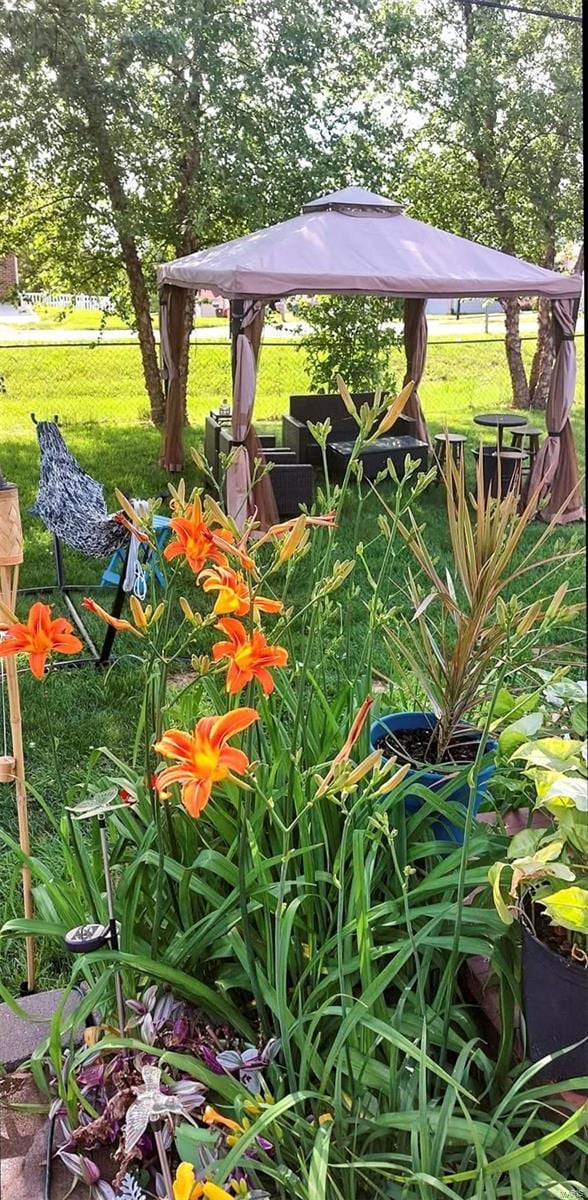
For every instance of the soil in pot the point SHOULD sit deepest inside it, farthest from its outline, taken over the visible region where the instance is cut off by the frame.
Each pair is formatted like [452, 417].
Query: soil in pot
[419, 747]
[412, 738]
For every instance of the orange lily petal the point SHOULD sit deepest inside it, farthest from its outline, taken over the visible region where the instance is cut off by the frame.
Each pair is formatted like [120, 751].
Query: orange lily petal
[117, 623]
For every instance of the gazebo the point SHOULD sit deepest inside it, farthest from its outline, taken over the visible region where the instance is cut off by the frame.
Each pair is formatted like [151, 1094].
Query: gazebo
[351, 243]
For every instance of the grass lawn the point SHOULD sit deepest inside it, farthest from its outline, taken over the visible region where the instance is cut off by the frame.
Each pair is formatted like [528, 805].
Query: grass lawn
[51, 318]
[99, 397]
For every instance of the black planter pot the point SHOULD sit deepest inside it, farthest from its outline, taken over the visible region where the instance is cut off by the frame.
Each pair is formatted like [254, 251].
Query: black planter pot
[555, 996]
[509, 475]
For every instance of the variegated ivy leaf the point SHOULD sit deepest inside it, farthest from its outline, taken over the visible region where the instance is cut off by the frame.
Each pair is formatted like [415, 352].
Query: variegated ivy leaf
[151, 1104]
[551, 753]
[569, 908]
[570, 787]
[97, 805]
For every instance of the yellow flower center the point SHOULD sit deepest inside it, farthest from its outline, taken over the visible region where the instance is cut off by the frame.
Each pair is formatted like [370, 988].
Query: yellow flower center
[243, 657]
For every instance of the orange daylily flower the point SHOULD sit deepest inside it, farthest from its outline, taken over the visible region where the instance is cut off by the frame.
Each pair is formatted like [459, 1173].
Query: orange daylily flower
[283, 528]
[203, 757]
[233, 595]
[117, 623]
[196, 540]
[249, 657]
[39, 638]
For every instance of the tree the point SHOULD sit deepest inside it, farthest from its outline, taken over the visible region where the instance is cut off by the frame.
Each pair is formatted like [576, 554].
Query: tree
[350, 336]
[497, 154]
[132, 134]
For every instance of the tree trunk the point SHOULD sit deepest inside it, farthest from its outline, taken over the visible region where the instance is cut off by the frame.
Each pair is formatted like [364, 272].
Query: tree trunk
[542, 366]
[78, 86]
[516, 366]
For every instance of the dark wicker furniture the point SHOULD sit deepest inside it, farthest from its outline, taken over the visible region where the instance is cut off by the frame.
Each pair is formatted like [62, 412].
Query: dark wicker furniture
[375, 457]
[292, 482]
[296, 434]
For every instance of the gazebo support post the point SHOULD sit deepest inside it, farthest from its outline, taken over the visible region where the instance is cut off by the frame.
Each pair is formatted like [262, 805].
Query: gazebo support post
[415, 349]
[236, 309]
[171, 330]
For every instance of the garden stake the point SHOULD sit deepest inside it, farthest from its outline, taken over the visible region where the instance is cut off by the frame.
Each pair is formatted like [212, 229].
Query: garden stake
[120, 1003]
[163, 1162]
[11, 556]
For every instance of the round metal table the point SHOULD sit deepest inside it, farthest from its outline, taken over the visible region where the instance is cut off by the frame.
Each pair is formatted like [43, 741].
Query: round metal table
[499, 422]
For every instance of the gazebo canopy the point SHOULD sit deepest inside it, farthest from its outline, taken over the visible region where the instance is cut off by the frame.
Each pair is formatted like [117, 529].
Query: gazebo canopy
[354, 242]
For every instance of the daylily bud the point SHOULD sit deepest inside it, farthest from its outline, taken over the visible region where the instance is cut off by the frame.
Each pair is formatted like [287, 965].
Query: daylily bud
[295, 540]
[556, 603]
[187, 609]
[393, 780]
[394, 411]
[159, 611]
[345, 395]
[139, 616]
[532, 614]
[363, 768]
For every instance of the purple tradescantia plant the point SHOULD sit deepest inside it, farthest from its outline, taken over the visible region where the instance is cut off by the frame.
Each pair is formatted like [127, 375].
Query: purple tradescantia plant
[247, 1064]
[86, 1171]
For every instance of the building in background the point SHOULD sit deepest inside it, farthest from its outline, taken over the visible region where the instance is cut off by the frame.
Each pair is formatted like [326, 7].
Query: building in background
[8, 278]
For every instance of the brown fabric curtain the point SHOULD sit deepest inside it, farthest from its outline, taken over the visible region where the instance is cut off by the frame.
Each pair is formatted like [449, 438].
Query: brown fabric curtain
[171, 333]
[555, 474]
[243, 500]
[415, 348]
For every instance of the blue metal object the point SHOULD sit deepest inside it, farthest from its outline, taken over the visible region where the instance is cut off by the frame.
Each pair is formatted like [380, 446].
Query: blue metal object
[111, 575]
[443, 829]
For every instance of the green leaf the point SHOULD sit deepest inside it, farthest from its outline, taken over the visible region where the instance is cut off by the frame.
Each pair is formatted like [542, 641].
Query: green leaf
[319, 1163]
[519, 732]
[189, 1140]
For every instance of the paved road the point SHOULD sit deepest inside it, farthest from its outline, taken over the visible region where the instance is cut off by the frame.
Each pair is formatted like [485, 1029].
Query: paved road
[439, 327]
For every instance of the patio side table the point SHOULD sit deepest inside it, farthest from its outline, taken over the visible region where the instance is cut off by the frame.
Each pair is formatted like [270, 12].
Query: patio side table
[499, 422]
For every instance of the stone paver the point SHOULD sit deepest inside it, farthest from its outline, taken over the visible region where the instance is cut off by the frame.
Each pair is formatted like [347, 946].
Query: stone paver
[18, 1038]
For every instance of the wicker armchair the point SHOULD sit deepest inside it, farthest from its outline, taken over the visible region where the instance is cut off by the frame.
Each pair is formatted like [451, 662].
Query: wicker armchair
[292, 482]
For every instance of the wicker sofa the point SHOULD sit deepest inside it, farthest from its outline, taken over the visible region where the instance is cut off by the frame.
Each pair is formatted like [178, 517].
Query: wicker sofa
[296, 434]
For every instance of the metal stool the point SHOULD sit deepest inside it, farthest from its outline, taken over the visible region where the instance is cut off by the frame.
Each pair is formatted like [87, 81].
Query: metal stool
[532, 433]
[457, 442]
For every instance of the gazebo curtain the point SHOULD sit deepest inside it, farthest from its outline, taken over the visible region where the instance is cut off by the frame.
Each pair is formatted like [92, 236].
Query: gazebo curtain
[171, 318]
[243, 499]
[415, 347]
[555, 474]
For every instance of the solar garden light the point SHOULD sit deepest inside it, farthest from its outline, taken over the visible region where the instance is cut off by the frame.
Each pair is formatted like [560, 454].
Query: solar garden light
[93, 936]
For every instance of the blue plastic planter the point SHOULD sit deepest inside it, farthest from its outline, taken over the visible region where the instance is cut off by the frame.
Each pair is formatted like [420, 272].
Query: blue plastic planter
[443, 829]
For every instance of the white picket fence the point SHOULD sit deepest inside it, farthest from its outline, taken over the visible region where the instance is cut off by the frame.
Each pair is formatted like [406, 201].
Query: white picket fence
[68, 300]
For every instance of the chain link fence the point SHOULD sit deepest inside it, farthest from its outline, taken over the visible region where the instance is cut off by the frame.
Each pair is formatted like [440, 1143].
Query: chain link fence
[102, 383]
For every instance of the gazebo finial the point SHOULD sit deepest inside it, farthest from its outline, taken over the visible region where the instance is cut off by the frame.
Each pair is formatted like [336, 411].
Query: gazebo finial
[356, 200]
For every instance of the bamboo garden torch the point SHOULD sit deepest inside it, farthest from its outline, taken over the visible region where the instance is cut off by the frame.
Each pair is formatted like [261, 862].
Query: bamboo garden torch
[12, 764]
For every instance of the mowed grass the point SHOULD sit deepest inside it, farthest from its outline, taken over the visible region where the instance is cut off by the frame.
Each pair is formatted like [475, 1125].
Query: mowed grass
[99, 397]
[48, 317]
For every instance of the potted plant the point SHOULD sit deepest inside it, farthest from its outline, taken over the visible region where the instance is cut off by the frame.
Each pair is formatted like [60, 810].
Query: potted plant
[548, 893]
[461, 636]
